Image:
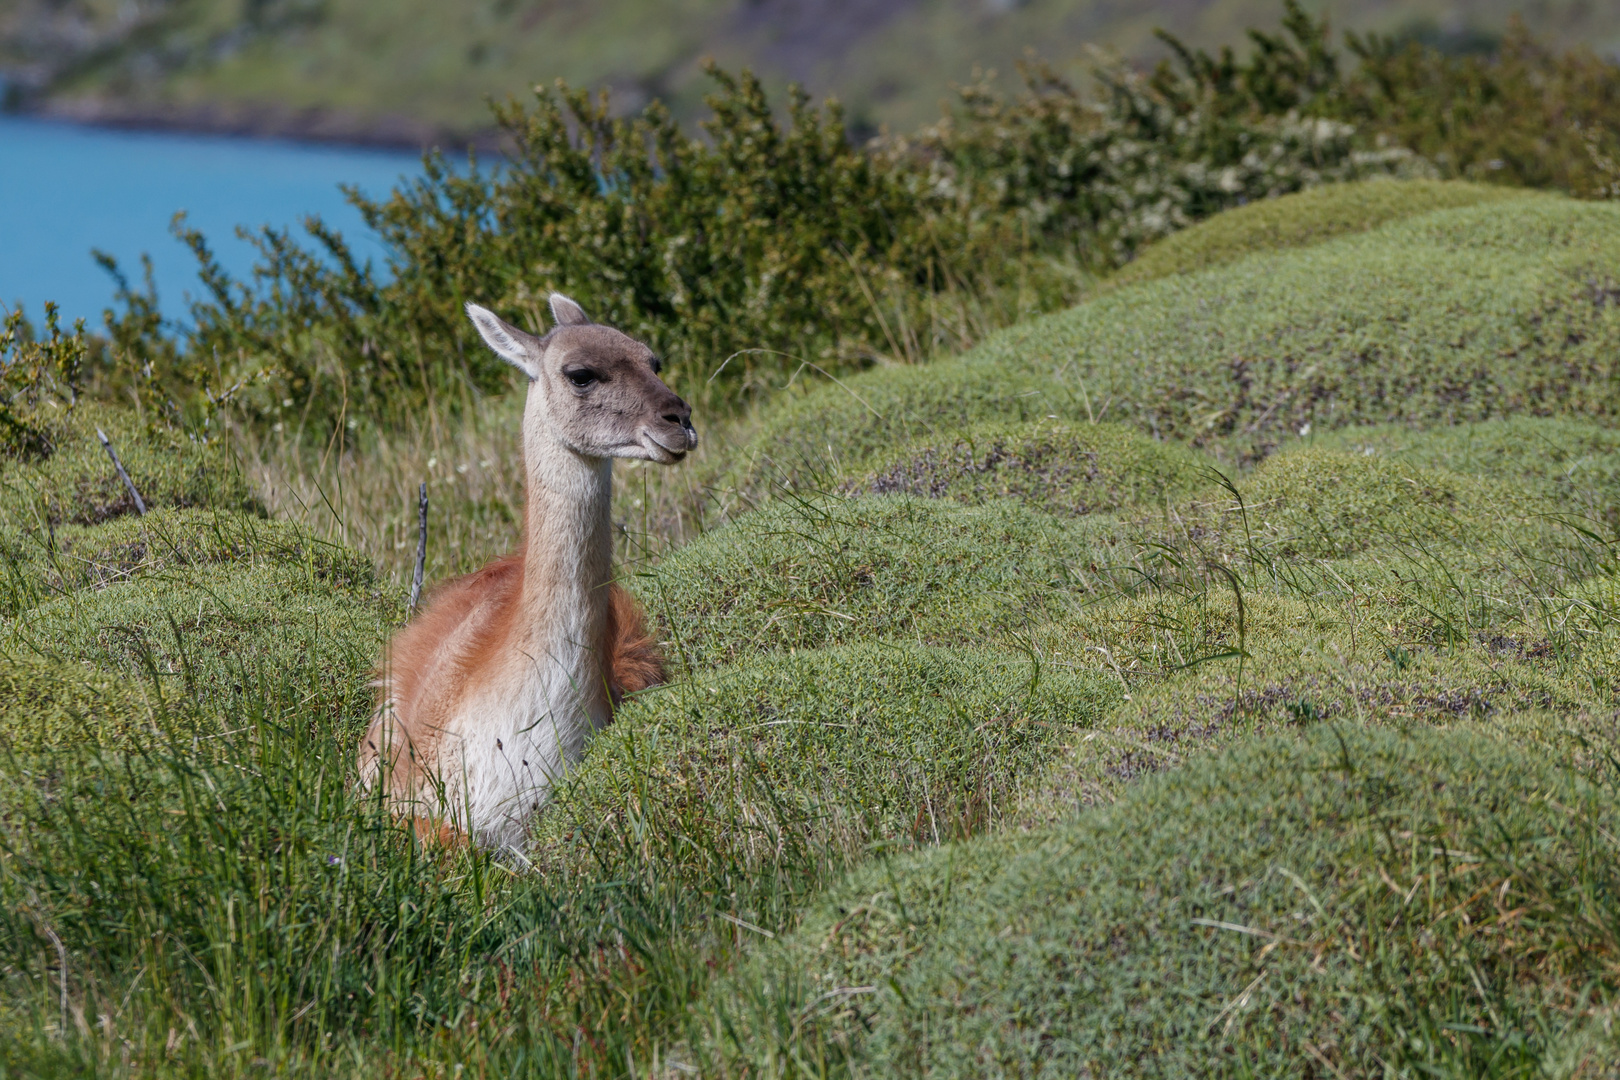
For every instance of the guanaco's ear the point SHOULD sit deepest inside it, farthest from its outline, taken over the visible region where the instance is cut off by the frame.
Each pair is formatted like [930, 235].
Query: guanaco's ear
[566, 312]
[517, 348]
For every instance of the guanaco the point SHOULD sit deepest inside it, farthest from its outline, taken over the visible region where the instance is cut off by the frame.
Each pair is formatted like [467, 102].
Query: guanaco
[489, 694]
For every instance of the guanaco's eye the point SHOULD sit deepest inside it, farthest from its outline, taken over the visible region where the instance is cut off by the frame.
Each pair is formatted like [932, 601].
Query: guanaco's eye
[581, 377]
[657, 364]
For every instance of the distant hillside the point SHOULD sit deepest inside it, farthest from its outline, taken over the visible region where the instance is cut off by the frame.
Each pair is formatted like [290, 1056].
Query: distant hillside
[414, 71]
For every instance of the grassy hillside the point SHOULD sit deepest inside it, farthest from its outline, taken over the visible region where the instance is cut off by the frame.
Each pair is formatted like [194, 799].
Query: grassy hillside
[1467, 314]
[1215, 677]
[347, 67]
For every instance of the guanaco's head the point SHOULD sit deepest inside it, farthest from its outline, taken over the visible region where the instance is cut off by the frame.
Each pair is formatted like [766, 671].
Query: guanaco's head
[594, 390]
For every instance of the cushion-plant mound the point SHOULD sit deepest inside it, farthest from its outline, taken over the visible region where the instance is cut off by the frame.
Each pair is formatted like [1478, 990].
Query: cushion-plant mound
[199, 599]
[1060, 468]
[804, 573]
[50, 704]
[1452, 316]
[1556, 459]
[794, 762]
[76, 484]
[1397, 522]
[1352, 901]
[37, 565]
[1299, 220]
[213, 630]
[1333, 503]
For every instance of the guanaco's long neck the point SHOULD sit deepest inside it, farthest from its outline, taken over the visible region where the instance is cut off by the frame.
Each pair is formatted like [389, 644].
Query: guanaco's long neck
[568, 561]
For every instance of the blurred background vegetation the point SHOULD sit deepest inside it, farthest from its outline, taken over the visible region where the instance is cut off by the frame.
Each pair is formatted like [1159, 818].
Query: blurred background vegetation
[408, 70]
[771, 242]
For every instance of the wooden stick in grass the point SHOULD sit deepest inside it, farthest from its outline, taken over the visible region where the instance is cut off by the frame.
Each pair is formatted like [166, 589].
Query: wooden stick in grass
[140, 506]
[421, 545]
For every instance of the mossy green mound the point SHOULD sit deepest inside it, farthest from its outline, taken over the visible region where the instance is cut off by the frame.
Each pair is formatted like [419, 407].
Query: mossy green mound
[1573, 461]
[1203, 674]
[182, 609]
[1358, 901]
[49, 704]
[1330, 504]
[823, 571]
[41, 565]
[77, 485]
[1300, 220]
[805, 758]
[1349, 519]
[205, 634]
[1453, 316]
[1060, 468]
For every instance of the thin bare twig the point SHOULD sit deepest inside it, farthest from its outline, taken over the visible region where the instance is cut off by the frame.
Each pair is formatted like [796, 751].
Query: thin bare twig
[140, 506]
[421, 545]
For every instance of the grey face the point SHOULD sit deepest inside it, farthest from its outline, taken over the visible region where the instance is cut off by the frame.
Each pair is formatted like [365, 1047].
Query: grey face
[605, 397]
[597, 389]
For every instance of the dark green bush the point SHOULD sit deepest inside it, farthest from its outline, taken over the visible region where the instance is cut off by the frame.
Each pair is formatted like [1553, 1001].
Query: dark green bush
[40, 382]
[773, 244]
[1522, 115]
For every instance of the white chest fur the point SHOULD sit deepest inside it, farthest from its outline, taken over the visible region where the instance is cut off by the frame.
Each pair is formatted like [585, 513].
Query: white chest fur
[527, 720]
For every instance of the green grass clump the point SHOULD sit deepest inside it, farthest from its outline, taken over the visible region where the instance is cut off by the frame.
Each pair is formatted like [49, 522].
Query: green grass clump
[1423, 901]
[1453, 316]
[806, 573]
[1067, 469]
[1299, 220]
[750, 782]
[200, 893]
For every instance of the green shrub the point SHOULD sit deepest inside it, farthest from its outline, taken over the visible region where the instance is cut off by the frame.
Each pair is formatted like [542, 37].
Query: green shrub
[1453, 316]
[40, 382]
[1433, 902]
[806, 573]
[749, 784]
[1523, 114]
[1298, 220]
[770, 245]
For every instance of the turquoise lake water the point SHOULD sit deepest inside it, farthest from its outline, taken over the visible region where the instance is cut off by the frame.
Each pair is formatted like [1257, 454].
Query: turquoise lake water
[65, 190]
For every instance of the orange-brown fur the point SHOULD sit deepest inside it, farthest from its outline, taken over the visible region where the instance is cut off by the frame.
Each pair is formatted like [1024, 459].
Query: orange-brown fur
[631, 658]
[491, 693]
